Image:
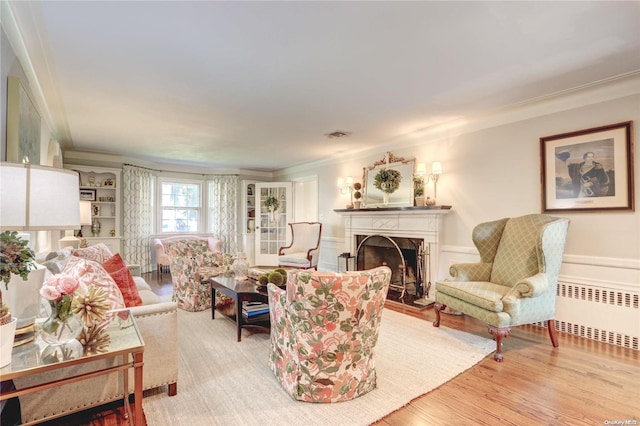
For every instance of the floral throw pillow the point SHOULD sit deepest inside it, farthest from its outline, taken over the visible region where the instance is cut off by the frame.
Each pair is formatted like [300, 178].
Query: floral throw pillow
[98, 253]
[90, 273]
[118, 270]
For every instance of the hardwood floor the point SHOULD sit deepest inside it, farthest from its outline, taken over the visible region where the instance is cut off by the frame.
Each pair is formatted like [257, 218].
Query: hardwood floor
[580, 383]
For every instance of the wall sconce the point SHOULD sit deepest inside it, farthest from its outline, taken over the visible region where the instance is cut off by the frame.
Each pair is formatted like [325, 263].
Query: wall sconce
[345, 186]
[436, 171]
[421, 169]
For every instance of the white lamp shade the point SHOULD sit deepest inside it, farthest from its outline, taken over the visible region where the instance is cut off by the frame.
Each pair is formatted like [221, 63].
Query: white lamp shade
[436, 168]
[85, 212]
[421, 169]
[38, 198]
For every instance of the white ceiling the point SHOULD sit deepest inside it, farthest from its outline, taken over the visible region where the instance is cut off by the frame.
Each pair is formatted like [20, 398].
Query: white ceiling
[257, 84]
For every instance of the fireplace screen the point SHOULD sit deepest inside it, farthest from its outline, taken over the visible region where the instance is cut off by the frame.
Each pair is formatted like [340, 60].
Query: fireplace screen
[405, 258]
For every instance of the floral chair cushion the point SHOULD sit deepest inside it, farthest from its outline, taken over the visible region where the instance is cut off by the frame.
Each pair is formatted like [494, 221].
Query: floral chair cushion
[186, 257]
[324, 330]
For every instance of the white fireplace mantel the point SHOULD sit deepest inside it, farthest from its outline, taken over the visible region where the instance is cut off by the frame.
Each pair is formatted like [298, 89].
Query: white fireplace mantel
[406, 222]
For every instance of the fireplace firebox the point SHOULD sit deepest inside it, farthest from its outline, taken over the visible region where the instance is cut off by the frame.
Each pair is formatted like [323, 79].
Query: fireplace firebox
[405, 258]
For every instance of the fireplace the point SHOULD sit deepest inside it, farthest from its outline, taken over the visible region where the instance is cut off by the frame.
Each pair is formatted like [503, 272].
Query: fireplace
[405, 239]
[405, 258]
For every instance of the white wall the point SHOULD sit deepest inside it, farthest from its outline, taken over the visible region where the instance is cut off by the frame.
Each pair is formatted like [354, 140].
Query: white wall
[494, 173]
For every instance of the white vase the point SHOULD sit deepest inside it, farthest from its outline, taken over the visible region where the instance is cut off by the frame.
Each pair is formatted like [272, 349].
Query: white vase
[23, 297]
[385, 198]
[7, 335]
[240, 267]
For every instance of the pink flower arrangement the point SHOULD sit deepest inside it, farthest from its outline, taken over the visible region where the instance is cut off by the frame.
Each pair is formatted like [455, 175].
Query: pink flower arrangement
[59, 290]
[59, 285]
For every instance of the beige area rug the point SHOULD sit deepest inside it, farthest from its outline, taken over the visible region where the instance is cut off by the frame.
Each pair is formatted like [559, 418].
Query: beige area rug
[224, 382]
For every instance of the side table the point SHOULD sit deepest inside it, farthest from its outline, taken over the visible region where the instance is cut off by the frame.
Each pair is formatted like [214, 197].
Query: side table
[126, 349]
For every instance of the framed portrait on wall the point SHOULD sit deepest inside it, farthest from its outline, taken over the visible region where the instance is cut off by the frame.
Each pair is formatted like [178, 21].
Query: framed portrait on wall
[588, 170]
[23, 125]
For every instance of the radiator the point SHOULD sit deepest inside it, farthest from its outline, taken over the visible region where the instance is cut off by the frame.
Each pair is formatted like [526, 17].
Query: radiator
[605, 315]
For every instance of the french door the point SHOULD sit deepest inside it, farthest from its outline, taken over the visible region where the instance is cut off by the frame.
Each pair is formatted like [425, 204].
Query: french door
[274, 211]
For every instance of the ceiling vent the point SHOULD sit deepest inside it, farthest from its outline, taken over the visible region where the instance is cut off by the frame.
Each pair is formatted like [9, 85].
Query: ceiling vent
[338, 134]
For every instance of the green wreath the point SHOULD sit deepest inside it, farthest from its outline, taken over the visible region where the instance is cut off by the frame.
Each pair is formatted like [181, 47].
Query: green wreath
[272, 202]
[387, 180]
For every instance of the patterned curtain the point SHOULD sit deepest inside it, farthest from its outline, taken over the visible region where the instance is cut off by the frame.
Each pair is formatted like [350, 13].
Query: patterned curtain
[223, 210]
[138, 215]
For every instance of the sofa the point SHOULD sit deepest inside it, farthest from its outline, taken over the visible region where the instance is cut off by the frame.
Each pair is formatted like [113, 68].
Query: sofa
[162, 258]
[157, 322]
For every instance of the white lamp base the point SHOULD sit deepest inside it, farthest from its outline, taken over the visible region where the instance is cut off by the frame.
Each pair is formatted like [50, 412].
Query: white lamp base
[69, 240]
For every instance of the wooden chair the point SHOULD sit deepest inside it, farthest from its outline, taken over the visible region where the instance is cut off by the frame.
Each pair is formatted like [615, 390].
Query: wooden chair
[304, 250]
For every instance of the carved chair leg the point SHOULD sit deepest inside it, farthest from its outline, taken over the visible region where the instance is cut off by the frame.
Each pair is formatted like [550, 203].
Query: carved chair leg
[551, 327]
[173, 389]
[498, 333]
[438, 307]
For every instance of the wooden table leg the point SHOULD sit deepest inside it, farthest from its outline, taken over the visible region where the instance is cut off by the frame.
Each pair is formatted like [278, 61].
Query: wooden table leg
[239, 317]
[213, 303]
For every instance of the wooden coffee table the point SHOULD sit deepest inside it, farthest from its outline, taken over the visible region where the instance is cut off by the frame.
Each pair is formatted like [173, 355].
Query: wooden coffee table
[239, 291]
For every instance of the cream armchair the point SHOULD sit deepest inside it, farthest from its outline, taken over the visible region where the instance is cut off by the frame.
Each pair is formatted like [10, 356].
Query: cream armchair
[515, 281]
[324, 329]
[304, 250]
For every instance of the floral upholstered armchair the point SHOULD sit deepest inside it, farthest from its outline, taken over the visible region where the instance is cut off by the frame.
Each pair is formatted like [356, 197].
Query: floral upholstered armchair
[186, 256]
[515, 281]
[324, 330]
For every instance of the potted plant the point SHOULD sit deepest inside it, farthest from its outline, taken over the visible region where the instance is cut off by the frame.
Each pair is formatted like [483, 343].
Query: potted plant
[418, 190]
[357, 195]
[22, 277]
[387, 181]
[15, 259]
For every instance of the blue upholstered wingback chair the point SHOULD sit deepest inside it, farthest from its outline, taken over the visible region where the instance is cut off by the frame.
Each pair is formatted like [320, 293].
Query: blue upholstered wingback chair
[515, 281]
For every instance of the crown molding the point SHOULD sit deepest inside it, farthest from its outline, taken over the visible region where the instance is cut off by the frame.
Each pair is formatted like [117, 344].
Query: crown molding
[85, 158]
[589, 94]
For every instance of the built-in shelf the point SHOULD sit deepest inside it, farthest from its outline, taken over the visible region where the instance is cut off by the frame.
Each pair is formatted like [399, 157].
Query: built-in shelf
[101, 186]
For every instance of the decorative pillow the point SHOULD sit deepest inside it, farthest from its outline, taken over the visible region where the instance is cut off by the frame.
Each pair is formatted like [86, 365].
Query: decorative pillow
[90, 273]
[118, 270]
[98, 253]
[55, 260]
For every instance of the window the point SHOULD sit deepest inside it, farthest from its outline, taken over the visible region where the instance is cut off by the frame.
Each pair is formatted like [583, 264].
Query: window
[181, 206]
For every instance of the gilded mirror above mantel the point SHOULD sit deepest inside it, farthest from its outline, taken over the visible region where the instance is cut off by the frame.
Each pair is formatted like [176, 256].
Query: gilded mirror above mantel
[390, 172]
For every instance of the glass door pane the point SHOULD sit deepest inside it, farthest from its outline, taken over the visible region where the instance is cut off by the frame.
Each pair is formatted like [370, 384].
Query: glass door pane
[273, 214]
